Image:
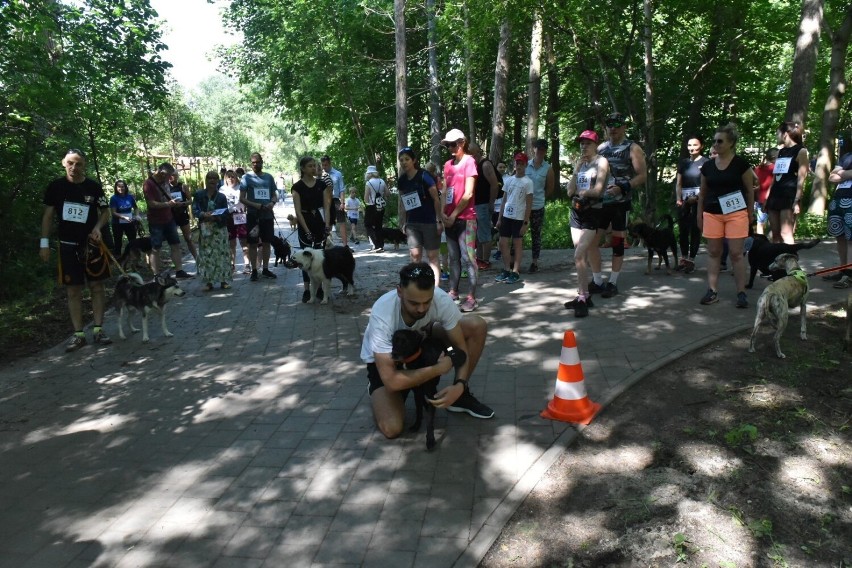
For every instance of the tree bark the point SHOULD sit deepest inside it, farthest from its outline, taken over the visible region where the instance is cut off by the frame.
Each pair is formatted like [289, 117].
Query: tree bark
[649, 197]
[831, 114]
[501, 81]
[434, 85]
[534, 85]
[471, 119]
[804, 61]
[401, 73]
[552, 106]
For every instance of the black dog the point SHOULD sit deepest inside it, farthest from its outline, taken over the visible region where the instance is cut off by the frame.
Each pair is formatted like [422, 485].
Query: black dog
[763, 253]
[393, 235]
[282, 249]
[657, 240]
[133, 252]
[412, 349]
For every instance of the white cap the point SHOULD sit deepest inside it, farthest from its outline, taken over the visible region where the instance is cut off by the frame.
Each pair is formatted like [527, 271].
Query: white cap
[371, 170]
[453, 135]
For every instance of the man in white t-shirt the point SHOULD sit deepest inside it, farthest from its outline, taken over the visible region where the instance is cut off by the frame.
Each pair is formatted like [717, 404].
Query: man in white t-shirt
[417, 304]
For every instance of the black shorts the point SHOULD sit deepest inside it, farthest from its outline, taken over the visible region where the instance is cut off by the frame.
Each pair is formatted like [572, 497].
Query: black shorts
[375, 381]
[615, 213]
[76, 268]
[267, 230]
[511, 228]
[338, 215]
[588, 219]
[781, 199]
[181, 215]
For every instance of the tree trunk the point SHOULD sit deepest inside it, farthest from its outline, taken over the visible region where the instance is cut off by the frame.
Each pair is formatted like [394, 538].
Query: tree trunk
[434, 85]
[553, 106]
[804, 61]
[649, 197]
[534, 85]
[501, 81]
[831, 114]
[401, 73]
[699, 96]
[471, 121]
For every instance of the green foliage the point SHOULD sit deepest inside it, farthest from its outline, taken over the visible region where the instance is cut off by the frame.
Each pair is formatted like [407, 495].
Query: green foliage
[811, 226]
[556, 232]
[740, 435]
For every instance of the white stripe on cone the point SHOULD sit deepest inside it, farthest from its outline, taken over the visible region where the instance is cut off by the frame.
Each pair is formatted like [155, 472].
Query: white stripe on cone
[570, 391]
[570, 356]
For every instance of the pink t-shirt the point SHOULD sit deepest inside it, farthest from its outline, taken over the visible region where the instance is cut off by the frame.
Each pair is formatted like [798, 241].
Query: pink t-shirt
[454, 178]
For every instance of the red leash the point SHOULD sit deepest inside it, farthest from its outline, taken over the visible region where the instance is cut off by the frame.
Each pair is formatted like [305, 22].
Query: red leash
[832, 269]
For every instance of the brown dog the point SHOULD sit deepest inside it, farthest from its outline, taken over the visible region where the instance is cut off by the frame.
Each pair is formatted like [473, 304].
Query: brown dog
[293, 222]
[775, 302]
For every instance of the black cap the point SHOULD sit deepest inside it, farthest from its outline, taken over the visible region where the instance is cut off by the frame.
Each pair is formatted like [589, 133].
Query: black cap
[540, 143]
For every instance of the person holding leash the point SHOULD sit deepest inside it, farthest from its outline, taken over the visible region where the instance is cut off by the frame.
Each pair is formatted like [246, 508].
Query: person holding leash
[82, 210]
[259, 194]
[312, 201]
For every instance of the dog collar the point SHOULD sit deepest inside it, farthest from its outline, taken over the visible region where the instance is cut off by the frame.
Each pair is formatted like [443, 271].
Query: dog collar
[414, 357]
[800, 275]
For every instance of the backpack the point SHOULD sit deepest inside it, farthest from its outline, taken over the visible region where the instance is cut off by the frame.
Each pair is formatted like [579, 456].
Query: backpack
[379, 201]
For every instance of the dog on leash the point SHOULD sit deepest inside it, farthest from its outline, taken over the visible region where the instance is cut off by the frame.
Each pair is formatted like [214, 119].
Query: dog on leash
[393, 235]
[136, 250]
[657, 240]
[282, 249]
[774, 304]
[132, 292]
[323, 265]
[763, 253]
[413, 349]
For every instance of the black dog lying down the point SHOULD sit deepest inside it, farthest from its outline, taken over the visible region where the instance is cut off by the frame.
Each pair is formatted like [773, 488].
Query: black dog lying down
[763, 253]
[658, 241]
[412, 349]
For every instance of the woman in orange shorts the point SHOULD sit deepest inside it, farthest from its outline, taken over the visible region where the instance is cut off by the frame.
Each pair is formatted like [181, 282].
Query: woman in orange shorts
[725, 211]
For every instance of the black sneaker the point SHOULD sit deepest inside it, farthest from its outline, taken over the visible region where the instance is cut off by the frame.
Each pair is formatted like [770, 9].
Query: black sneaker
[834, 276]
[742, 300]
[267, 274]
[253, 277]
[711, 297]
[581, 309]
[570, 305]
[101, 338]
[610, 291]
[182, 275]
[468, 403]
[595, 289]
[533, 268]
[75, 343]
[306, 295]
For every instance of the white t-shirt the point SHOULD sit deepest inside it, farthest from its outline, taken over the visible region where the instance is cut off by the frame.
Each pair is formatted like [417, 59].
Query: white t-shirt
[232, 194]
[386, 318]
[352, 206]
[517, 190]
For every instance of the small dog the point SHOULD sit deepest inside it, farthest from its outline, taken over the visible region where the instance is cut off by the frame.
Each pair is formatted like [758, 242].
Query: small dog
[393, 235]
[322, 266]
[763, 253]
[293, 222]
[657, 240]
[282, 249]
[775, 302]
[413, 349]
[131, 292]
[134, 251]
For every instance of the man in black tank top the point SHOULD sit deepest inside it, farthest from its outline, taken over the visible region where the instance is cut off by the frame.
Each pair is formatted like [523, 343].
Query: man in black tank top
[628, 172]
[485, 193]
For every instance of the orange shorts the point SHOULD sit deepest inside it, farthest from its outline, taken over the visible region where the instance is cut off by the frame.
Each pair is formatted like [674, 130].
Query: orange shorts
[731, 226]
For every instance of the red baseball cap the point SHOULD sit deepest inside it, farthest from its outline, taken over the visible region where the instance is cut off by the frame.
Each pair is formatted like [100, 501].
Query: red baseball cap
[588, 135]
[521, 157]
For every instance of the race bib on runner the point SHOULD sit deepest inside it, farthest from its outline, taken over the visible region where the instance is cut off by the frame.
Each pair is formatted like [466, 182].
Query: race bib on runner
[75, 212]
[411, 200]
[449, 198]
[177, 196]
[124, 221]
[782, 166]
[732, 202]
[510, 211]
[688, 192]
[239, 218]
[845, 184]
[261, 193]
[584, 181]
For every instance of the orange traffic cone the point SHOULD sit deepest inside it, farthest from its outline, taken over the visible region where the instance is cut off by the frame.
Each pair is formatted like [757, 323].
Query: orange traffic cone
[570, 403]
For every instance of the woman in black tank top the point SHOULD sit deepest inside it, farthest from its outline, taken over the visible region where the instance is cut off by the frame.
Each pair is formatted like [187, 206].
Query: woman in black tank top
[791, 170]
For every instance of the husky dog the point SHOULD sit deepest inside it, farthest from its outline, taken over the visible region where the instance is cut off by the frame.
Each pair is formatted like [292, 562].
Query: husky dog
[131, 292]
[322, 266]
[774, 304]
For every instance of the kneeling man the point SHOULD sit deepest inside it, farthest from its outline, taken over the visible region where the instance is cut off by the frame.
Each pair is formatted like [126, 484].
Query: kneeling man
[417, 304]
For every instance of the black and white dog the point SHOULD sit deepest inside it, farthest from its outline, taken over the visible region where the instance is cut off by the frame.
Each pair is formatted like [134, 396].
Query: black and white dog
[282, 249]
[322, 266]
[413, 349]
[132, 292]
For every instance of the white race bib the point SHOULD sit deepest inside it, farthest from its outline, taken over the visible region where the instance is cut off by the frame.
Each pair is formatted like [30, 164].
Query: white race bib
[584, 181]
[75, 212]
[177, 196]
[688, 192]
[782, 166]
[261, 193]
[239, 218]
[732, 202]
[449, 198]
[124, 221]
[411, 200]
[845, 184]
[510, 211]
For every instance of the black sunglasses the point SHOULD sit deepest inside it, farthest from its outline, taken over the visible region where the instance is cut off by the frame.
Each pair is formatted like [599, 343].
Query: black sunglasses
[614, 124]
[450, 145]
[417, 273]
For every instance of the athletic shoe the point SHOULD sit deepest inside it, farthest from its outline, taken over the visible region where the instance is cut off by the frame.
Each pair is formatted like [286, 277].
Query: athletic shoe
[723, 267]
[497, 255]
[711, 297]
[570, 305]
[844, 282]
[533, 267]
[181, 274]
[464, 274]
[469, 305]
[454, 296]
[690, 267]
[267, 274]
[595, 289]
[445, 275]
[742, 300]
[503, 276]
[483, 264]
[581, 310]
[247, 269]
[610, 291]
[513, 278]
[253, 276]
[681, 265]
[101, 338]
[75, 343]
[468, 403]
[834, 276]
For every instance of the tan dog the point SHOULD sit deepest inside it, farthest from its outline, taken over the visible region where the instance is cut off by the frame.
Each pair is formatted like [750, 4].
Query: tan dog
[293, 222]
[774, 304]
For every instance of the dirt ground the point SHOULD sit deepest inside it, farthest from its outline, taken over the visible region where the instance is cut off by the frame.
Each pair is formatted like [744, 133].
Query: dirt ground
[722, 459]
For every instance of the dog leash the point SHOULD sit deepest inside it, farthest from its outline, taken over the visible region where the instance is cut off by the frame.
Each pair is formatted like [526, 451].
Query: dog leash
[112, 258]
[832, 269]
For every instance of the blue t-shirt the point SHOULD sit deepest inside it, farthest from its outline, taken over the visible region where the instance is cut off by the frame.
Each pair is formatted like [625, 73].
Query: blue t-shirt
[123, 204]
[259, 189]
[844, 189]
[416, 199]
